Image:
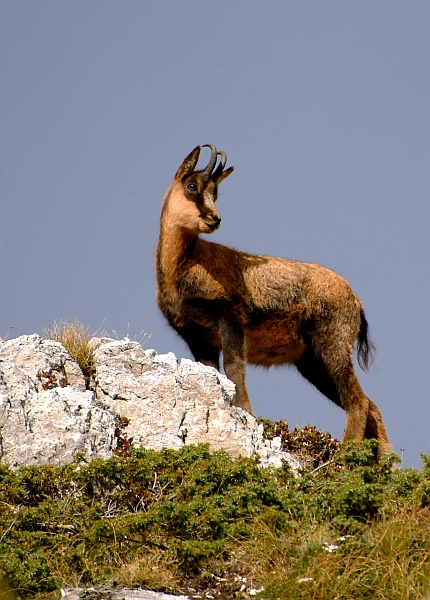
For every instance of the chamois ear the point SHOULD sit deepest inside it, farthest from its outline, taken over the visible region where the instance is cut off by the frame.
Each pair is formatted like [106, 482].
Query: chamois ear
[225, 174]
[189, 164]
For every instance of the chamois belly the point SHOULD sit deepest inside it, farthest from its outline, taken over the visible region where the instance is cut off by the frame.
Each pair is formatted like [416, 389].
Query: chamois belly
[273, 343]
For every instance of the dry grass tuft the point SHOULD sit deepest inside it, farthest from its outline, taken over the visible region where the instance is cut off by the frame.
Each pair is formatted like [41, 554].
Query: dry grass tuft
[75, 337]
[150, 570]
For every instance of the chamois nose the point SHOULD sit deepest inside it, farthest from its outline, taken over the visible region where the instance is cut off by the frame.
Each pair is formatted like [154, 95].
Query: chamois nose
[216, 218]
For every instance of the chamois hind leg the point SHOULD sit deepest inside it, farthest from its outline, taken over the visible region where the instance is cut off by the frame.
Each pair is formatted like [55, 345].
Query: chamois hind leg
[332, 373]
[204, 345]
[364, 419]
[316, 373]
[375, 428]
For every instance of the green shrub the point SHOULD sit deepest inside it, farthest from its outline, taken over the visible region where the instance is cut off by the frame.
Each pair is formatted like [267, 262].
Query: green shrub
[189, 519]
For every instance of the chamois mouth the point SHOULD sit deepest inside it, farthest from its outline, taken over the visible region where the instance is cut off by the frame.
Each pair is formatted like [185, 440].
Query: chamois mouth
[212, 226]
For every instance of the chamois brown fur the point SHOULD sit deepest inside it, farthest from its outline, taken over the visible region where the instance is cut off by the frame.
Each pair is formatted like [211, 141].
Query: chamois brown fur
[258, 309]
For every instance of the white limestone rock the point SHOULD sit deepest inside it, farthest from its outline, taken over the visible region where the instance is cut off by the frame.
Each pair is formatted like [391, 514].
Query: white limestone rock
[43, 419]
[121, 593]
[47, 415]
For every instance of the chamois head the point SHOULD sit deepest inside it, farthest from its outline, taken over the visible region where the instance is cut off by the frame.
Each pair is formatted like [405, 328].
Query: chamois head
[193, 194]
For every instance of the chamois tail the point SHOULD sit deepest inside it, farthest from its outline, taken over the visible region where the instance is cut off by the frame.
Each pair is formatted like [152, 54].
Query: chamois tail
[366, 350]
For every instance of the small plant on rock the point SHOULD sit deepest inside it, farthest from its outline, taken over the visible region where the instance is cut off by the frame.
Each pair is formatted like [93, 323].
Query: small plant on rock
[313, 446]
[75, 337]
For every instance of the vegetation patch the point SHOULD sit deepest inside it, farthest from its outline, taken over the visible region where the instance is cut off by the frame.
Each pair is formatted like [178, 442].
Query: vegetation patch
[207, 525]
[75, 337]
[314, 447]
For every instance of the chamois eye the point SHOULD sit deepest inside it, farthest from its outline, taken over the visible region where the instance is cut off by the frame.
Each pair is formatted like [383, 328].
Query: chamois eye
[192, 187]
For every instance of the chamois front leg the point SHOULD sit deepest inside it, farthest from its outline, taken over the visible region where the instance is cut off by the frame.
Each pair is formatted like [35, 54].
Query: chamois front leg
[203, 344]
[233, 341]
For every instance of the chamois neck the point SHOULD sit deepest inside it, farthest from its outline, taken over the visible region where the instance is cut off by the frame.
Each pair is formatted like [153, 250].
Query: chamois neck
[173, 239]
[173, 243]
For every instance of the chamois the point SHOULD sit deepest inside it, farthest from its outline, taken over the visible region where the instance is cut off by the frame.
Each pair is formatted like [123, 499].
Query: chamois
[258, 309]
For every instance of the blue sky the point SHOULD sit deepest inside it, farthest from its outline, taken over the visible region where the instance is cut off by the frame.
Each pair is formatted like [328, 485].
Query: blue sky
[323, 108]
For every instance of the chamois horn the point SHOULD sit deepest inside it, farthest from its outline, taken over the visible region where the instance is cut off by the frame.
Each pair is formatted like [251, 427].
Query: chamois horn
[212, 160]
[221, 165]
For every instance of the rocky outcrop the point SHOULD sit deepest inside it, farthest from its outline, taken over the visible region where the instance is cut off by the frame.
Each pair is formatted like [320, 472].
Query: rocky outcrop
[117, 594]
[47, 415]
